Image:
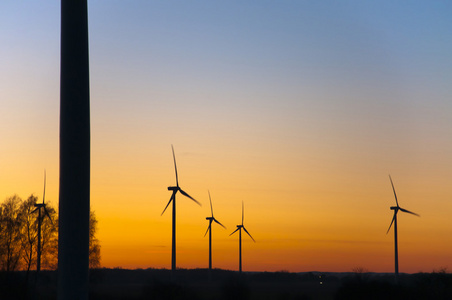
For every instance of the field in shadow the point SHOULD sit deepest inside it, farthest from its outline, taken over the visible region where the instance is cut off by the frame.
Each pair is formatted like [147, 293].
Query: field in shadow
[223, 284]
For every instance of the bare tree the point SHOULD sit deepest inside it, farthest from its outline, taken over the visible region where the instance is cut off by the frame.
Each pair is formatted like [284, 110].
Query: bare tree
[94, 246]
[19, 231]
[49, 239]
[29, 234]
[29, 231]
[10, 236]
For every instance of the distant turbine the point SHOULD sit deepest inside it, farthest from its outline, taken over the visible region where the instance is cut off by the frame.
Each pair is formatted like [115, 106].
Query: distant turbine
[209, 229]
[239, 229]
[175, 189]
[46, 213]
[394, 220]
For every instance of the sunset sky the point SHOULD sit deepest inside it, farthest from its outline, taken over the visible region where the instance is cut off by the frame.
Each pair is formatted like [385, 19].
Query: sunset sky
[301, 109]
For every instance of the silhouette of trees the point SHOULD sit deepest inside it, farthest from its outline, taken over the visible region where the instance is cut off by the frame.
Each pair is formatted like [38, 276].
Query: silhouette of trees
[19, 236]
[94, 246]
[10, 234]
[49, 238]
[29, 230]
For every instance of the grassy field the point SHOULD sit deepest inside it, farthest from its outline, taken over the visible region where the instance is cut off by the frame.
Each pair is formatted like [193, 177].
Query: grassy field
[223, 284]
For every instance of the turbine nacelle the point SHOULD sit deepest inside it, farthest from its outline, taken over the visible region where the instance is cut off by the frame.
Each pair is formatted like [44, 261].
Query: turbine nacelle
[212, 218]
[241, 226]
[394, 208]
[176, 188]
[43, 204]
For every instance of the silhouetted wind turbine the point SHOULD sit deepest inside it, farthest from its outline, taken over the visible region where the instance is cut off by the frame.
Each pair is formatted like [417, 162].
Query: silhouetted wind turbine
[40, 217]
[209, 229]
[239, 229]
[394, 220]
[175, 189]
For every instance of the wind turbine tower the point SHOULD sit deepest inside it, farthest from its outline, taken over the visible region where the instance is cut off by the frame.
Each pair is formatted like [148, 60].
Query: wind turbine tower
[394, 221]
[46, 213]
[239, 229]
[175, 189]
[209, 229]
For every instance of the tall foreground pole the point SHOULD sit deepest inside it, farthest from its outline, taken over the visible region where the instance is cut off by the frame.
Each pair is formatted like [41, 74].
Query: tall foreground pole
[74, 203]
[38, 258]
[396, 253]
[210, 246]
[240, 250]
[173, 244]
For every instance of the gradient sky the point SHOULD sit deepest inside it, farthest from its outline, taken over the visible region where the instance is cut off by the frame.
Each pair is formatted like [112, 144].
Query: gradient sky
[300, 109]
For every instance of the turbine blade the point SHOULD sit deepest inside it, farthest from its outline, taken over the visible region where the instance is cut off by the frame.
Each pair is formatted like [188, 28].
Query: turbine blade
[395, 195]
[219, 223]
[46, 213]
[243, 213]
[35, 210]
[393, 218]
[208, 228]
[171, 199]
[410, 212]
[234, 231]
[248, 234]
[175, 167]
[211, 209]
[187, 195]
[44, 194]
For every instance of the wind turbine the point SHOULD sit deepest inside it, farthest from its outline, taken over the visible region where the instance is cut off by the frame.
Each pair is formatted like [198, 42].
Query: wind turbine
[394, 220]
[46, 213]
[209, 229]
[239, 229]
[175, 189]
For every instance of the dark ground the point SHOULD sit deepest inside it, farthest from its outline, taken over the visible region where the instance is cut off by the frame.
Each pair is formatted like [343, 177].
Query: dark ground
[195, 284]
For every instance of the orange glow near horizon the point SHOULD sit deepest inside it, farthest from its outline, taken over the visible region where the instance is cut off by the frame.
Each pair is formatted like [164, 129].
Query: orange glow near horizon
[319, 225]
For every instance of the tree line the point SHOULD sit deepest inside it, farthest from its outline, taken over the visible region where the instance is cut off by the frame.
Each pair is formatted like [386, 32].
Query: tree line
[19, 236]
